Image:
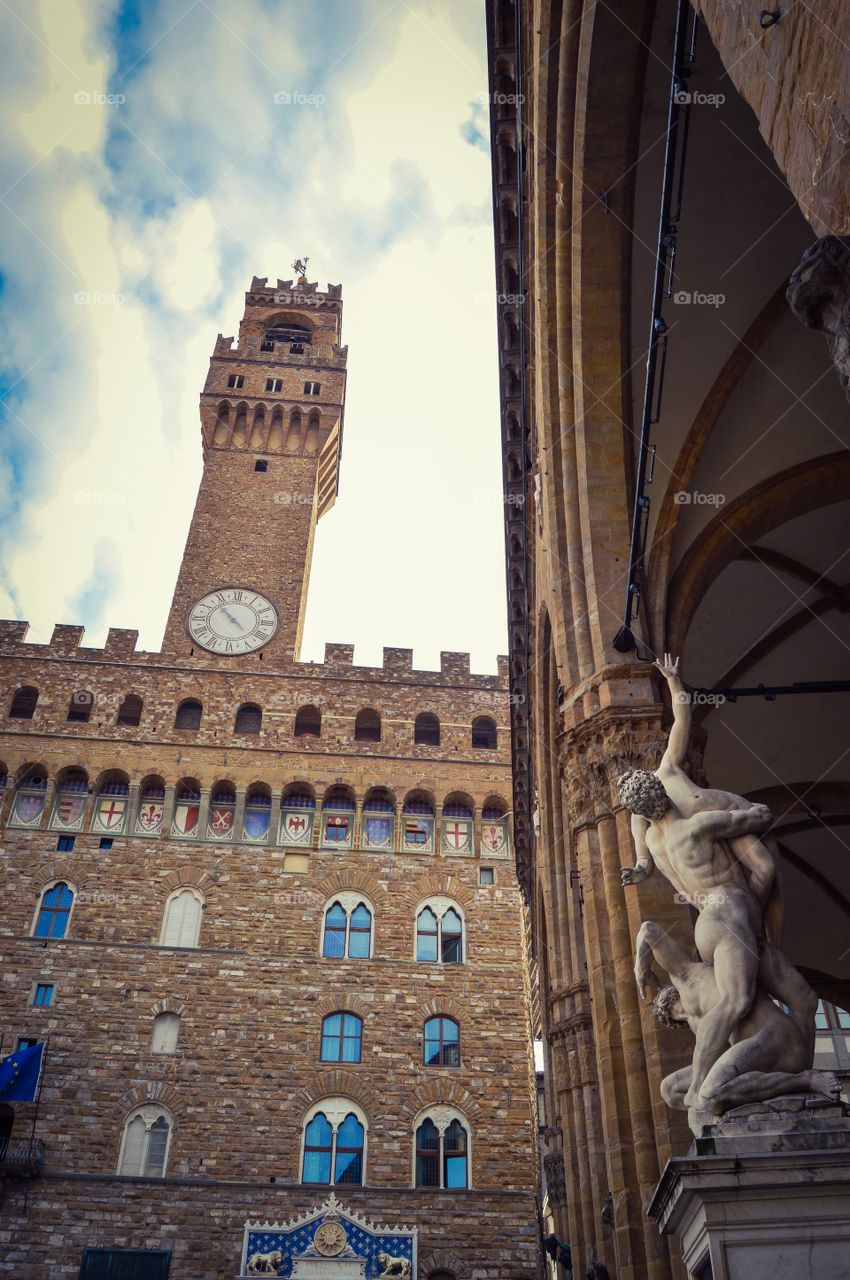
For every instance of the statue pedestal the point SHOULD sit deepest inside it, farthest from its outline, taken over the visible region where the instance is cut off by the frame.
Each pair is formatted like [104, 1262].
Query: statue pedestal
[764, 1194]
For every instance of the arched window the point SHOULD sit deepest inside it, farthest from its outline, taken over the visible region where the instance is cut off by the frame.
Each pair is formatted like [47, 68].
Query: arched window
[426, 730]
[151, 806]
[308, 723]
[334, 1143]
[348, 929]
[439, 932]
[80, 706]
[258, 812]
[442, 1042]
[418, 831]
[284, 330]
[130, 711]
[484, 733]
[54, 912]
[188, 714]
[249, 718]
[144, 1146]
[187, 807]
[30, 797]
[442, 1149]
[378, 820]
[367, 726]
[458, 825]
[110, 807]
[69, 807]
[24, 703]
[181, 922]
[222, 812]
[338, 819]
[342, 1036]
[166, 1028]
[296, 815]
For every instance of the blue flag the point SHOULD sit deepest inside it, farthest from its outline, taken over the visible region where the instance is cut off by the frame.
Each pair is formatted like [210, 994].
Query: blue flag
[19, 1074]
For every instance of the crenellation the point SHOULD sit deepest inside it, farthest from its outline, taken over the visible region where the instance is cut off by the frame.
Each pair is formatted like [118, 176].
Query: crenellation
[455, 665]
[66, 638]
[397, 661]
[120, 643]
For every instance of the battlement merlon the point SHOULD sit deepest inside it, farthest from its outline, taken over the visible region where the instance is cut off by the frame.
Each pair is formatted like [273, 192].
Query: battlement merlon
[67, 642]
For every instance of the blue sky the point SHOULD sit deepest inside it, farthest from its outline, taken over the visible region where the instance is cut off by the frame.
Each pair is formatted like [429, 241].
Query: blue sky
[156, 156]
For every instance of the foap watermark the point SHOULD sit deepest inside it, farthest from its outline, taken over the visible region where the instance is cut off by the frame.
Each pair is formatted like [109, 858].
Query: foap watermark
[296, 298]
[694, 498]
[499, 99]
[488, 497]
[286, 498]
[686, 98]
[90, 498]
[98, 897]
[485, 298]
[87, 298]
[94, 98]
[689, 298]
[714, 898]
[297, 98]
[700, 698]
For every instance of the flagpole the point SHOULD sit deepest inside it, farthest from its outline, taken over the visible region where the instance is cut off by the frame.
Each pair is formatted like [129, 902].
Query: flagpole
[38, 1093]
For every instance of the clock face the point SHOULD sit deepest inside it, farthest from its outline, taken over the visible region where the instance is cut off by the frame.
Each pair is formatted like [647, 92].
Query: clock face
[232, 621]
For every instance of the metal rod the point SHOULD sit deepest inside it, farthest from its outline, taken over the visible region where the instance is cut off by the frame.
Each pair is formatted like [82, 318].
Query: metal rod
[771, 691]
[624, 641]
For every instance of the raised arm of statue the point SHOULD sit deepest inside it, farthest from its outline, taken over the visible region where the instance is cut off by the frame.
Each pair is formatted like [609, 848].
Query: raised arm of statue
[722, 824]
[654, 943]
[677, 744]
[644, 866]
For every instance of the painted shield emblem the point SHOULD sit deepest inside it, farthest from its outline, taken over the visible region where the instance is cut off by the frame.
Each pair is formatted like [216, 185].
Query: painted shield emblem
[457, 836]
[150, 816]
[417, 833]
[377, 832]
[256, 824]
[337, 830]
[110, 814]
[28, 809]
[493, 837]
[297, 828]
[186, 819]
[69, 811]
[221, 823]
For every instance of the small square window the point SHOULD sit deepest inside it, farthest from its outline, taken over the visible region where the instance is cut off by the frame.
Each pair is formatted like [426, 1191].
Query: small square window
[26, 1042]
[261, 464]
[105, 842]
[236, 380]
[486, 875]
[65, 844]
[42, 997]
[312, 388]
[297, 348]
[274, 384]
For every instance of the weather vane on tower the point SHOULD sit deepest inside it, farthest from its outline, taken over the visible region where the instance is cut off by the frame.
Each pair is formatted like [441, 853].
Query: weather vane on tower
[300, 266]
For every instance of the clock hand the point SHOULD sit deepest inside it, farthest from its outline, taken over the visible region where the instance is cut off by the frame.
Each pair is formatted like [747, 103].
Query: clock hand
[228, 614]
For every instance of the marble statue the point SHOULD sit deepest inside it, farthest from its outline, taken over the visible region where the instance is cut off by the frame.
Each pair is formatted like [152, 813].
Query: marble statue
[399, 1267]
[771, 1051]
[265, 1264]
[819, 295]
[710, 845]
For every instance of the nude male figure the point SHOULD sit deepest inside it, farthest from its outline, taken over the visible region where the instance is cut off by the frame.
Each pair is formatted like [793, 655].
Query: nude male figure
[706, 843]
[771, 1051]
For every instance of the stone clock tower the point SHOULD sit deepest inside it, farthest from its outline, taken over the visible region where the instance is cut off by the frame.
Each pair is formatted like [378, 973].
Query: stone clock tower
[271, 422]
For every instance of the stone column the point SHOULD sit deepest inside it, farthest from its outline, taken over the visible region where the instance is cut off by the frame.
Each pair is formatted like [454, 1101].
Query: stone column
[239, 816]
[168, 811]
[274, 819]
[132, 808]
[203, 813]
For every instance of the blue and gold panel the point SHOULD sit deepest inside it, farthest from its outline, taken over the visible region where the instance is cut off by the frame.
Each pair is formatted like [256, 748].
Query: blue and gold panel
[330, 1241]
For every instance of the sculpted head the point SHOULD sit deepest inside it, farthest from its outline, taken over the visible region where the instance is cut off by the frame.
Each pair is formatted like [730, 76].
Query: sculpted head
[667, 1008]
[643, 793]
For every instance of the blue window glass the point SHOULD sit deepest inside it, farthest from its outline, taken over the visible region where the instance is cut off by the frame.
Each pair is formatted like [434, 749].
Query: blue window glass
[318, 1146]
[348, 1166]
[821, 1020]
[335, 923]
[43, 996]
[341, 1038]
[54, 912]
[451, 941]
[360, 932]
[65, 844]
[427, 1155]
[454, 1155]
[426, 935]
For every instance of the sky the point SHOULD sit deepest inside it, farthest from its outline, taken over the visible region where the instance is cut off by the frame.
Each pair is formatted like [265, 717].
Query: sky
[154, 156]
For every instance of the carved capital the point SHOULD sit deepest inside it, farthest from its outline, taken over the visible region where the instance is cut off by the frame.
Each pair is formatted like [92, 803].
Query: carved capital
[819, 295]
[595, 752]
